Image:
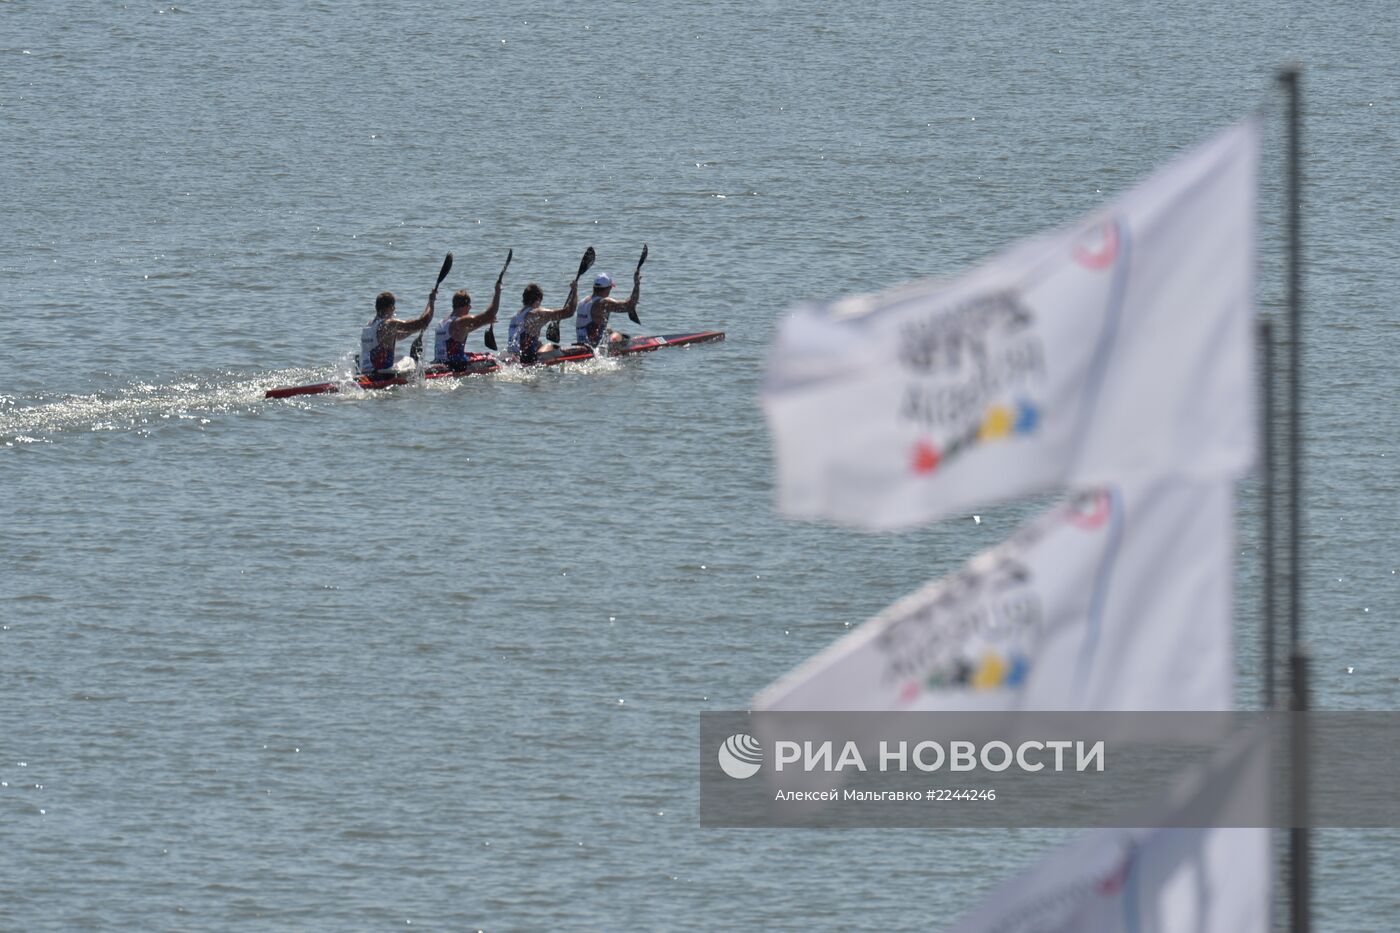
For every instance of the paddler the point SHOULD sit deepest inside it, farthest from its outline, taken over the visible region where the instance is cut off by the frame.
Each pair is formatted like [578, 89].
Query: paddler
[450, 346]
[524, 339]
[591, 322]
[380, 335]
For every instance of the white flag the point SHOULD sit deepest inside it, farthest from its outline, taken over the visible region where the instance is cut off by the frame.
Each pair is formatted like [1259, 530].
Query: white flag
[1117, 600]
[1112, 351]
[1206, 880]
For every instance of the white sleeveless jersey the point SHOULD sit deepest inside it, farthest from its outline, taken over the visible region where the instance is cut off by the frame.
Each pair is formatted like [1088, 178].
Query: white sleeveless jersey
[583, 320]
[440, 337]
[369, 349]
[517, 326]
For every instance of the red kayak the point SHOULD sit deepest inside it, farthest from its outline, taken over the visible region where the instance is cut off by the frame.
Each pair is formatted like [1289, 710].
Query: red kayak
[485, 363]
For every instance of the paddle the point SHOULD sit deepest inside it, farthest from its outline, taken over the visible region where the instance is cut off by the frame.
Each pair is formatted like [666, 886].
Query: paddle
[632, 312]
[491, 328]
[552, 334]
[416, 350]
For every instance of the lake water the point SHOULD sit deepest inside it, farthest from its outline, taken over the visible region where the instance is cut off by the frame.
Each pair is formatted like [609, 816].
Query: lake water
[433, 658]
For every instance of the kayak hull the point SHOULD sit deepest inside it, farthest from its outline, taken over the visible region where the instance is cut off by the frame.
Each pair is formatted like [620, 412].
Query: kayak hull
[486, 363]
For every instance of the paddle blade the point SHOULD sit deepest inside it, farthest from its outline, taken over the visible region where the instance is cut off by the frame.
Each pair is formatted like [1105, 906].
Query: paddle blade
[588, 257]
[416, 351]
[510, 254]
[491, 337]
[632, 312]
[552, 334]
[446, 268]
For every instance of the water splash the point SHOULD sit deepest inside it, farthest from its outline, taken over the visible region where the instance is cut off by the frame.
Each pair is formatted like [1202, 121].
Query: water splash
[141, 406]
[36, 419]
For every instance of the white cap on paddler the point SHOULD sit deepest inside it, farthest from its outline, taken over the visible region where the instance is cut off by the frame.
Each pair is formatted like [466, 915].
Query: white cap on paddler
[602, 280]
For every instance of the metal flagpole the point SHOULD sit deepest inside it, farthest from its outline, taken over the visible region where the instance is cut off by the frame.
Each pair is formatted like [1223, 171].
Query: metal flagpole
[1269, 632]
[1299, 836]
[1266, 392]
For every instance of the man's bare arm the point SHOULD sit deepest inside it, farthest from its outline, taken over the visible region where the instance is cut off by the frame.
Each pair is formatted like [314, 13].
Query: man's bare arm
[402, 329]
[546, 315]
[467, 323]
[549, 314]
[495, 304]
[626, 307]
[464, 325]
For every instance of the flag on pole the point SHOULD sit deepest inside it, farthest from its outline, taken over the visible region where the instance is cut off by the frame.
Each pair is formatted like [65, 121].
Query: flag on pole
[1115, 350]
[1119, 599]
[1210, 879]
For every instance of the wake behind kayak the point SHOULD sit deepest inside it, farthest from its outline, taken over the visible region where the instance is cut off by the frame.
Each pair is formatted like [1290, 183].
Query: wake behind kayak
[486, 363]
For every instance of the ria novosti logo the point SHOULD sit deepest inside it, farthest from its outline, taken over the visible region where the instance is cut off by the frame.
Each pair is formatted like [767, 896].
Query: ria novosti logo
[740, 756]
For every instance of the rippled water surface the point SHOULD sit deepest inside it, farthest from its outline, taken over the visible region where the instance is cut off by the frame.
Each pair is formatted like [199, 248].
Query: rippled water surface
[435, 655]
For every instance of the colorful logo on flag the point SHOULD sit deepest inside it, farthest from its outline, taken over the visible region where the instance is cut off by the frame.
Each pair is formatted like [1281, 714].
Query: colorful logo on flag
[1098, 248]
[1089, 510]
[999, 422]
[990, 670]
[971, 636]
[971, 368]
